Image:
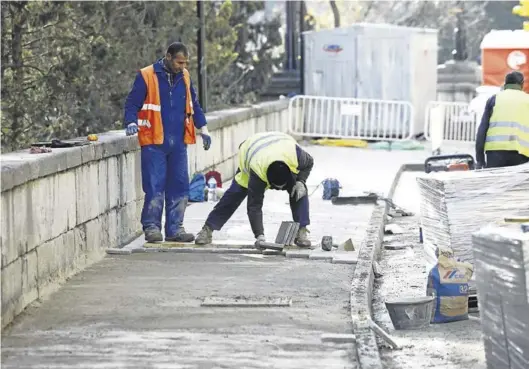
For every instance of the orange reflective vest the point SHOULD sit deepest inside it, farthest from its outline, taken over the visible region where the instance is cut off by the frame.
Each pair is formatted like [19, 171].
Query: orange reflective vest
[150, 116]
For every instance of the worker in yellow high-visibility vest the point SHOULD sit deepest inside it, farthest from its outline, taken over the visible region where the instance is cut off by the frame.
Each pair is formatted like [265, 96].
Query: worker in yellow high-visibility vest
[504, 130]
[269, 160]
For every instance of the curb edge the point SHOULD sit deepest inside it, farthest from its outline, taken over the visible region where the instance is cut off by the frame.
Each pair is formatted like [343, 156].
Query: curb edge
[367, 353]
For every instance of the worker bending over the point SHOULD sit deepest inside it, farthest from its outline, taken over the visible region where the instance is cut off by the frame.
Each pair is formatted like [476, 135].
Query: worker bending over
[504, 130]
[266, 160]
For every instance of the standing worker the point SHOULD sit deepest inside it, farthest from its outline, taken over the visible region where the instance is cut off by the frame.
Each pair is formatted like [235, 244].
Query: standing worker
[504, 130]
[266, 160]
[163, 109]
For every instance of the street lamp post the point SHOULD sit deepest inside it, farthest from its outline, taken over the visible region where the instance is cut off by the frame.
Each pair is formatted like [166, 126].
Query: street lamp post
[201, 57]
[460, 51]
[302, 12]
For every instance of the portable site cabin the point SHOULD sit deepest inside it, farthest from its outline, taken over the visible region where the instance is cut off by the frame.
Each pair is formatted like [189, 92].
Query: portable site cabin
[373, 61]
[503, 51]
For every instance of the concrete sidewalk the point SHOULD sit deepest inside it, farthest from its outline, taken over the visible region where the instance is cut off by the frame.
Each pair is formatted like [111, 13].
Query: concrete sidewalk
[143, 310]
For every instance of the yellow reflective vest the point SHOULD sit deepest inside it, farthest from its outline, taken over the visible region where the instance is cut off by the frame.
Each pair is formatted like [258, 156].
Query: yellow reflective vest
[262, 149]
[509, 123]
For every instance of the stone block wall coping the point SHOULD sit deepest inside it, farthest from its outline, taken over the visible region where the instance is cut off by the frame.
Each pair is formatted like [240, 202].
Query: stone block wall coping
[20, 167]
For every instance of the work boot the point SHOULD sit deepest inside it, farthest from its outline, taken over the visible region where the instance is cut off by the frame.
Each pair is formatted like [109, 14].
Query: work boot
[205, 236]
[181, 236]
[302, 238]
[153, 235]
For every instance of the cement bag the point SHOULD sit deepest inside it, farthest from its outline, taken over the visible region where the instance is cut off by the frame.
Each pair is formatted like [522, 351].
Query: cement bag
[448, 283]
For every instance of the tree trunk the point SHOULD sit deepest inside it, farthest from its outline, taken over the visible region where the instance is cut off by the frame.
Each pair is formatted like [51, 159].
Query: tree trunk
[18, 21]
[336, 13]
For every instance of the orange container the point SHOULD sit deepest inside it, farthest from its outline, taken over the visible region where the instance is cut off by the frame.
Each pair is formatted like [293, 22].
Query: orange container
[502, 52]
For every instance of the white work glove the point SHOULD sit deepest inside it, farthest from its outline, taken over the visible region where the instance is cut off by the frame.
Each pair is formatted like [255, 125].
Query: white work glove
[298, 191]
[132, 129]
[259, 241]
[206, 138]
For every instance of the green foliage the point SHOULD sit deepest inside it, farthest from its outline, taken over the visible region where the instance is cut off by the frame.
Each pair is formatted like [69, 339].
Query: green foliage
[68, 66]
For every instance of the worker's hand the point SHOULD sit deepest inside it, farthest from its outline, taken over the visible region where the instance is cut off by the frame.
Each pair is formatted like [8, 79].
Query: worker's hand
[298, 191]
[259, 240]
[132, 129]
[206, 138]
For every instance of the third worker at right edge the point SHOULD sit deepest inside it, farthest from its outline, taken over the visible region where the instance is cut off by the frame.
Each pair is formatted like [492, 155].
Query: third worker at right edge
[503, 134]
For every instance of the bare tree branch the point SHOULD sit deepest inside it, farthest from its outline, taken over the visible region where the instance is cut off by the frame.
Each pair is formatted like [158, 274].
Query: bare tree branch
[336, 13]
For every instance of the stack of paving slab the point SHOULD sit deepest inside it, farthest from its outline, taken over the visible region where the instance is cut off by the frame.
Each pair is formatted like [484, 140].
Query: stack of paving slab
[456, 204]
[502, 274]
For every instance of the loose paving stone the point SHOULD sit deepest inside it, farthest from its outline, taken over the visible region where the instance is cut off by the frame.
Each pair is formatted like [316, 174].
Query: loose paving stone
[296, 248]
[223, 245]
[116, 251]
[346, 257]
[348, 245]
[272, 252]
[396, 246]
[338, 338]
[321, 255]
[377, 271]
[209, 250]
[298, 254]
[243, 301]
[393, 229]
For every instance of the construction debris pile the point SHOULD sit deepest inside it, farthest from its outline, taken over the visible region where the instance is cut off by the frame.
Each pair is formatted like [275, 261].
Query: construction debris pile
[502, 274]
[456, 204]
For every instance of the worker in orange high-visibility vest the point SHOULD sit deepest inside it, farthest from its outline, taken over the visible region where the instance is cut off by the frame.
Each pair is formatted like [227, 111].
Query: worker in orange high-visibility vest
[162, 108]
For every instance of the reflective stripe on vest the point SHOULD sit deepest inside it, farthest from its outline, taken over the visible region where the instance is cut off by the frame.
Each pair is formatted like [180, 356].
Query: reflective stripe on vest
[509, 123]
[259, 151]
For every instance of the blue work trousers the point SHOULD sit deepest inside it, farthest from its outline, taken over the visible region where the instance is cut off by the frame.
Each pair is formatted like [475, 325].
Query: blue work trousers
[164, 177]
[236, 194]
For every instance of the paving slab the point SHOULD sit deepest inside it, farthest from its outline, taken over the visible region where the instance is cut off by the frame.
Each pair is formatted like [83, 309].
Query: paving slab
[300, 254]
[396, 246]
[244, 301]
[338, 338]
[345, 257]
[118, 251]
[219, 244]
[272, 252]
[205, 250]
[321, 255]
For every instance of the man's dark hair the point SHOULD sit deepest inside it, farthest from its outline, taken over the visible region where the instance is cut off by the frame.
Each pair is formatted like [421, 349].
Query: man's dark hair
[514, 78]
[177, 47]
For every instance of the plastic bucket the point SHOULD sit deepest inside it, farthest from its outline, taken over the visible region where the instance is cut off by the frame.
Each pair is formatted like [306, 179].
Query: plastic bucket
[410, 312]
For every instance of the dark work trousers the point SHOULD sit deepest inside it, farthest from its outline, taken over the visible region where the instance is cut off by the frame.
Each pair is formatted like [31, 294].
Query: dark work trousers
[236, 194]
[505, 158]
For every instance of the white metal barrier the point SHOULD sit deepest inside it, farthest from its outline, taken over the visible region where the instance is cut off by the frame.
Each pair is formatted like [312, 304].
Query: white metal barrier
[335, 117]
[453, 121]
